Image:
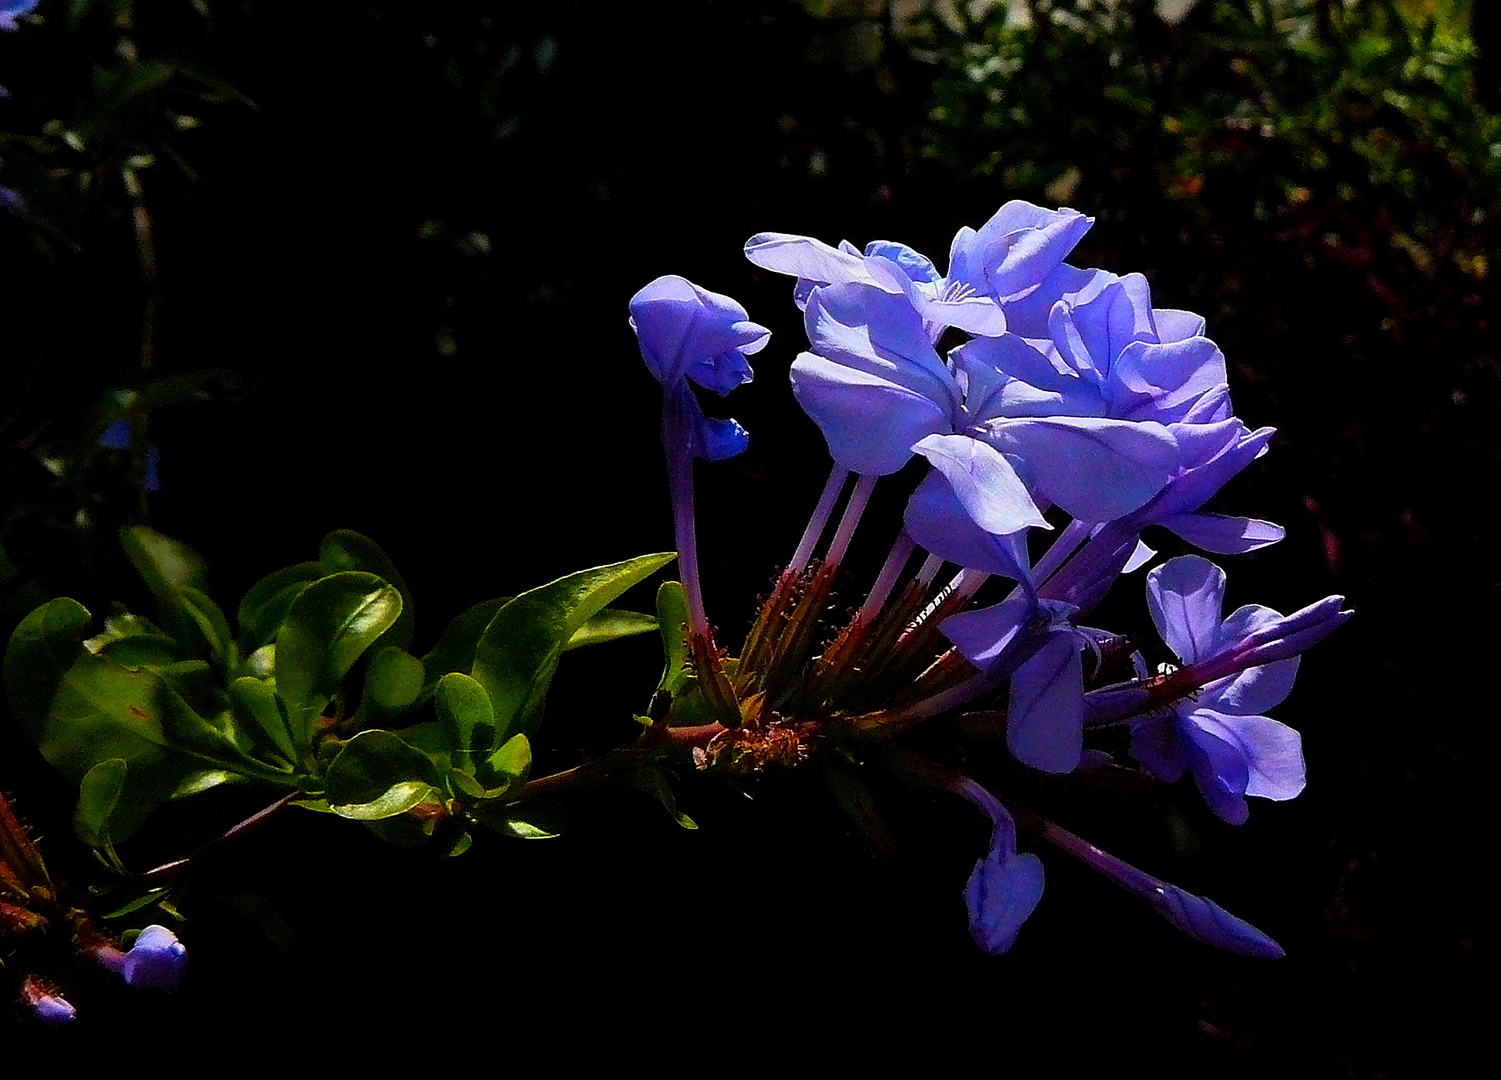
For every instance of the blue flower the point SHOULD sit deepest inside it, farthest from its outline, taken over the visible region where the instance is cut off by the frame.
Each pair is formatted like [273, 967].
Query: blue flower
[10, 11]
[1004, 260]
[48, 1006]
[156, 960]
[1197, 916]
[1004, 887]
[120, 435]
[1217, 733]
[688, 334]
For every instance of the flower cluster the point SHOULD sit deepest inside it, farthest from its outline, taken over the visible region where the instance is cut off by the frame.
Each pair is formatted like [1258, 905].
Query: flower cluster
[1075, 412]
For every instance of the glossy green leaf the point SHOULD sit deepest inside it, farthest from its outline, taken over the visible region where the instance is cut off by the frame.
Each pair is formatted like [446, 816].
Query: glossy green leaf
[397, 799]
[211, 626]
[43, 648]
[330, 624]
[518, 653]
[465, 712]
[98, 796]
[345, 549]
[611, 625]
[455, 649]
[203, 780]
[176, 576]
[165, 565]
[539, 820]
[257, 707]
[82, 710]
[265, 606]
[653, 781]
[377, 771]
[131, 641]
[672, 620]
[393, 685]
[512, 758]
[136, 904]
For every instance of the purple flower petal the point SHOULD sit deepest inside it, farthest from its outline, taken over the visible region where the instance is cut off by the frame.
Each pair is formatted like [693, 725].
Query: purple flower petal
[937, 521]
[1004, 887]
[1096, 469]
[1272, 753]
[1219, 768]
[1223, 534]
[1206, 921]
[984, 482]
[983, 635]
[156, 960]
[687, 332]
[1016, 249]
[1045, 713]
[1001, 893]
[870, 423]
[1185, 596]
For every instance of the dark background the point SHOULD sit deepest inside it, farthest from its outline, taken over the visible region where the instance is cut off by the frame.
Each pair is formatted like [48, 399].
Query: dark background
[411, 244]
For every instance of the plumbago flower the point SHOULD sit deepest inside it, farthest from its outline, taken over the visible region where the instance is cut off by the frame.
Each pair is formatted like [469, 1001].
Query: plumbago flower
[1075, 408]
[1218, 734]
[11, 10]
[692, 336]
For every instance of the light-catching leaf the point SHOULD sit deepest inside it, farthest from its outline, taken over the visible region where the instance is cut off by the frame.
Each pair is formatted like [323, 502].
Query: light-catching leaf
[518, 652]
[330, 624]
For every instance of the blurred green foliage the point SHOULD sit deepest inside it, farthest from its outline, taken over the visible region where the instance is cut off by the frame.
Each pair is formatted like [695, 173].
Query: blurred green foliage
[1305, 115]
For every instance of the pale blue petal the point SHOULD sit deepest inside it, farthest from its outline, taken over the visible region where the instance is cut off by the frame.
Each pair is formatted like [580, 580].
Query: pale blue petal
[1185, 597]
[805, 258]
[1001, 893]
[1028, 314]
[1204, 920]
[1223, 534]
[985, 483]
[1272, 752]
[1045, 713]
[982, 636]
[1016, 249]
[938, 522]
[1096, 469]
[1158, 746]
[1219, 768]
[1139, 558]
[871, 424]
[914, 265]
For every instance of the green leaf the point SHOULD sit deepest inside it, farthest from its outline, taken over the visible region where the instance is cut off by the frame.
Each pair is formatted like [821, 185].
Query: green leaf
[257, 708]
[376, 775]
[98, 796]
[82, 710]
[392, 686]
[330, 624]
[610, 625]
[345, 549]
[211, 626]
[43, 648]
[538, 820]
[464, 709]
[265, 606]
[143, 901]
[518, 652]
[397, 799]
[455, 649]
[165, 565]
[672, 619]
[653, 781]
[176, 576]
[512, 758]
